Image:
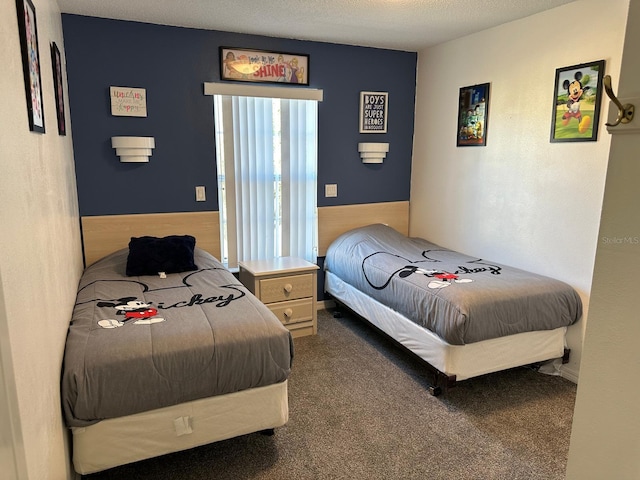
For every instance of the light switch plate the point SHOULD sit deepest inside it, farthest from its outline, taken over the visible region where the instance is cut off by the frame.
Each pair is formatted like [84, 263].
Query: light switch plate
[330, 190]
[201, 195]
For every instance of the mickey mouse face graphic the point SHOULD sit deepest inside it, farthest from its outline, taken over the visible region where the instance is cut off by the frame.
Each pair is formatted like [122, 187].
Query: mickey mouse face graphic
[438, 278]
[441, 278]
[132, 310]
[444, 279]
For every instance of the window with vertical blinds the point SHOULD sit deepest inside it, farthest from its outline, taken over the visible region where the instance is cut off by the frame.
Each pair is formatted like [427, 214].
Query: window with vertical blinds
[266, 151]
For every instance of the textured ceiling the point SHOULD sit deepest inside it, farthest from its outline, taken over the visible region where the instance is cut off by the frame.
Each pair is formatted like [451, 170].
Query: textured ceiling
[394, 24]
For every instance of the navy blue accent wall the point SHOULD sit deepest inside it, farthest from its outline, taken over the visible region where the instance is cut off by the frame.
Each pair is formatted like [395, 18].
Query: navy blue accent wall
[172, 63]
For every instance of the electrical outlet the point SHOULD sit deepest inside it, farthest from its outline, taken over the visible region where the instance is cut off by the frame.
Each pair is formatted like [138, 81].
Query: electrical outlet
[331, 190]
[201, 195]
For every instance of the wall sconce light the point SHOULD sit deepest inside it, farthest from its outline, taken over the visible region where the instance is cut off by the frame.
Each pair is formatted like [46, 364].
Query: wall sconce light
[373, 152]
[133, 149]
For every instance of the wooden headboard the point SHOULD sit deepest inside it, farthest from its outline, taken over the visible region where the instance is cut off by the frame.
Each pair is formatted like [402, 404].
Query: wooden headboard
[334, 221]
[102, 235]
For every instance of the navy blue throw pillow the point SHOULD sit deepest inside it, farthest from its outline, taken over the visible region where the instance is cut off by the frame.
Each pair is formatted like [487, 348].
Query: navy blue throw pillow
[151, 255]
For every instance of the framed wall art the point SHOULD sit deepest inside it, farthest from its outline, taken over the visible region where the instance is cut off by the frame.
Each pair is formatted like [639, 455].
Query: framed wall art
[473, 112]
[58, 87]
[31, 64]
[128, 101]
[242, 65]
[576, 102]
[373, 112]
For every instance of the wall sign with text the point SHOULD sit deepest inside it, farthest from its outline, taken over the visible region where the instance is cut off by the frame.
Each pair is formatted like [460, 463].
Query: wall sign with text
[128, 101]
[373, 112]
[243, 65]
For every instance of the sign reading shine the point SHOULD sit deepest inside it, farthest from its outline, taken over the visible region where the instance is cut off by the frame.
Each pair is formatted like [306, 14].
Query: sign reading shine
[262, 66]
[373, 112]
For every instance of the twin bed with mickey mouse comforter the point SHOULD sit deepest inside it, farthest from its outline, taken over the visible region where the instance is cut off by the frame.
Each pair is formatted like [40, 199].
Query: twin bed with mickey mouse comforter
[164, 362]
[464, 316]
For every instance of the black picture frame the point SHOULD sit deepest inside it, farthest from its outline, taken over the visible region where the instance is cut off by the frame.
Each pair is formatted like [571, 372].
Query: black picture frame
[374, 108]
[473, 115]
[28, 30]
[263, 66]
[58, 86]
[577, 102]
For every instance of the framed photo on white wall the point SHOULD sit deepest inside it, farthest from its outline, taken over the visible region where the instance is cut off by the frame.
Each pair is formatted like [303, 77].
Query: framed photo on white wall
[31, 63]
[577, 95]
[473, 112]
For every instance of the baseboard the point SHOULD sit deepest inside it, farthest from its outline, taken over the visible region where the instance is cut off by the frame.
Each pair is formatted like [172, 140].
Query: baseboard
[325, 304]
[569, 373]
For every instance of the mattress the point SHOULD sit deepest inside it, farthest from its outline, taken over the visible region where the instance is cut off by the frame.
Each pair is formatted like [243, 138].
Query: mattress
[137, 344]
[459, 298]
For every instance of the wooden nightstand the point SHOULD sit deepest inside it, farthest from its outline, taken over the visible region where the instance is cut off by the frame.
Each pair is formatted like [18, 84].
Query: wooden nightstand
[287, 285]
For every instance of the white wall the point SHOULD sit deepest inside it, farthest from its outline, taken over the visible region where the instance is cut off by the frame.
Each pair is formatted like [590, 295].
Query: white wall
[521, 200]
[12, 461]
[605, 439]
[40, 254]
[548, 195]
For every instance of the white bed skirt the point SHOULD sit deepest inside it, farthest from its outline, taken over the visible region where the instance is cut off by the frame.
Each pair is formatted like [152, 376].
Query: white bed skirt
[463, 361]
[118, 441]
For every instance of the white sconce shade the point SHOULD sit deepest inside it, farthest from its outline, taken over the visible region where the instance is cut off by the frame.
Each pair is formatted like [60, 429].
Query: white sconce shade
[373, 152]
[133, 149]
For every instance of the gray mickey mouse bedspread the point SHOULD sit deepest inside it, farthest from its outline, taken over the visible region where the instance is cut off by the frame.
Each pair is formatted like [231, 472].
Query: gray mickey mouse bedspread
[140, 343]
[459, 298]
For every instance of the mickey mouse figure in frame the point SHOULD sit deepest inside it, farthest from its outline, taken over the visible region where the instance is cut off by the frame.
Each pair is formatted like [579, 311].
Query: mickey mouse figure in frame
[576, 107]
[576, 90]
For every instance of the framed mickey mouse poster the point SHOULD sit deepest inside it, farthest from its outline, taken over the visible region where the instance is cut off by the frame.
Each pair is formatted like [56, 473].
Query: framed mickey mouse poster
[577, 102]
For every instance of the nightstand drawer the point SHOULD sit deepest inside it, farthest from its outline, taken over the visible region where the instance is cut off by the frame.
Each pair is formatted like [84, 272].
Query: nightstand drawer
[293, 311]
[286, 288]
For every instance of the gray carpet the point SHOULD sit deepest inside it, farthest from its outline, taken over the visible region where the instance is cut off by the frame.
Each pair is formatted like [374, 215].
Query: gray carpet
[360, 409]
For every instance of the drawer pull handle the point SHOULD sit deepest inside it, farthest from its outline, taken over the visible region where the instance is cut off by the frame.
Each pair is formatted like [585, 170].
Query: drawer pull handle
[288, 312]
[288, 287]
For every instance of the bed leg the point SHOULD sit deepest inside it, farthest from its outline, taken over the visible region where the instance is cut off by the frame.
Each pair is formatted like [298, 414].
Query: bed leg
[442, 383]
[269, 432]
[567, 354]
[337, 312]
[435, 390]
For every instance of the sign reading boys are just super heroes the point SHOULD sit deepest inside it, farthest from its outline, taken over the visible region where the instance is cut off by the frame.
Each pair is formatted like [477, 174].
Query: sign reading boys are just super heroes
[373, 112]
